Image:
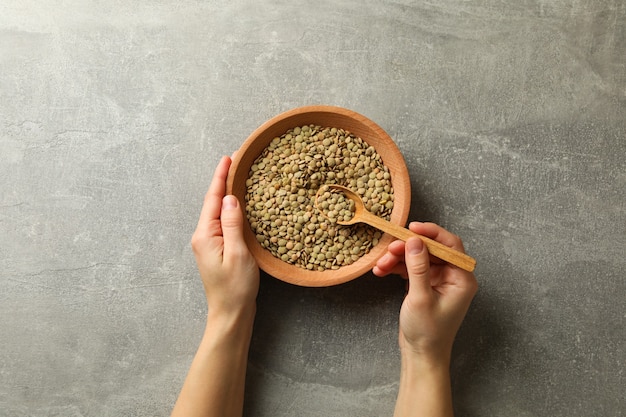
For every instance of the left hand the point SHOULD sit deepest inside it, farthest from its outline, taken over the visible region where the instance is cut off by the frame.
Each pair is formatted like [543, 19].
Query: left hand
[228, 270]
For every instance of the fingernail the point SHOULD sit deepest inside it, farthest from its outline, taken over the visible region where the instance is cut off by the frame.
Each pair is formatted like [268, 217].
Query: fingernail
[229, 202]
[414, 246]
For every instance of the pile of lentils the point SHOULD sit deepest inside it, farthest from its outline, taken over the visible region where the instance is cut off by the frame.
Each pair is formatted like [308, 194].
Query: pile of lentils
[335, 205]
[282, 186]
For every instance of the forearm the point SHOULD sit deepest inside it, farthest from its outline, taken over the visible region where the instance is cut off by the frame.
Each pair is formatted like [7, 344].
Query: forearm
[425, 389]
[215, 383]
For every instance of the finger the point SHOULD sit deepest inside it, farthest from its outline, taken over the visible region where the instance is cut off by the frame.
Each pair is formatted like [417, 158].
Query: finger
[212, 206]
[378, 272]
[388, 261]
[396, 247]
[417, 266]
[398, 269]
[438, 233]
[232, 226]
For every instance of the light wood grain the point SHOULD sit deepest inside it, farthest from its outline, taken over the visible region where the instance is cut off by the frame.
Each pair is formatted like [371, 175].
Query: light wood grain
[443, 252]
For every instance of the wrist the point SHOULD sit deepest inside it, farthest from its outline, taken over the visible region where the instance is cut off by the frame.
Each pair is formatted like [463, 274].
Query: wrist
[232, 325]
[432, 359]
[424, 389]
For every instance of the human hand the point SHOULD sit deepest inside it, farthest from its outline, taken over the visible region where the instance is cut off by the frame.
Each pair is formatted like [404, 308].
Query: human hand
[439, 293]
[229, 273]
[215, 383]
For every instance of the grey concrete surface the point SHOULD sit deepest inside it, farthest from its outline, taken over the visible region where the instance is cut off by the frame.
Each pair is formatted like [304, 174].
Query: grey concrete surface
[511, 116]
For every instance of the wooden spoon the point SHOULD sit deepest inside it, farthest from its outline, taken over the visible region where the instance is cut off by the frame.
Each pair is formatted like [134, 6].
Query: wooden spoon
[361, 215]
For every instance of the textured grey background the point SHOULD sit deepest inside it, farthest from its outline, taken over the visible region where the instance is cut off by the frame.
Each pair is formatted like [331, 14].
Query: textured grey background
[511, 116]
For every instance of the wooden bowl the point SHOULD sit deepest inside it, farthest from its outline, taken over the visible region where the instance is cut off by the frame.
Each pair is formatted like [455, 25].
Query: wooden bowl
[325, 116]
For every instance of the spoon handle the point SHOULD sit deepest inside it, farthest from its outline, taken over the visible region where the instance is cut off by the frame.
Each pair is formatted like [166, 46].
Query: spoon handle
[435, 248]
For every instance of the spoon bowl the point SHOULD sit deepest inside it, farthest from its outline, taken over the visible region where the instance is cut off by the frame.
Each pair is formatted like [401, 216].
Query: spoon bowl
[359, 206]
[362, 215]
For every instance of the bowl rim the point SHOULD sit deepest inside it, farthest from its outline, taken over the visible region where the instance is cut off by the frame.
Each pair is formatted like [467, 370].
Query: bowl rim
[278, 125]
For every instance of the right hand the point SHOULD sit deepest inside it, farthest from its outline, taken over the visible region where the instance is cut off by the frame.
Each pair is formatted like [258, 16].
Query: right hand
[439, 294]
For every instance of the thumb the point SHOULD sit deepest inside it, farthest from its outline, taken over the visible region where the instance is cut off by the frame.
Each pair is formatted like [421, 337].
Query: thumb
[417, 265]
[232, 222]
